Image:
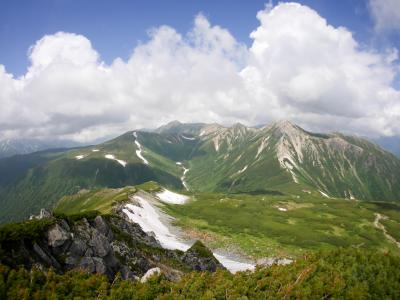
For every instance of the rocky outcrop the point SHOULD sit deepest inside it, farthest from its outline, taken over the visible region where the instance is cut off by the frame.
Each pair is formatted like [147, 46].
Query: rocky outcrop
[101, 244]
[200, 258]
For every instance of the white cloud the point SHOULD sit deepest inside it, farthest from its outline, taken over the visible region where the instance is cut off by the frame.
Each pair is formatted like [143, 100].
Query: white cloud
[298, 67]
[317, 74]
[386, 14]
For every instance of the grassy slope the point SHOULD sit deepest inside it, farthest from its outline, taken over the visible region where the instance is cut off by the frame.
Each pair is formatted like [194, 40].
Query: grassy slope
[97, 200]
[259, 228]
[253, 224]
[101, 200]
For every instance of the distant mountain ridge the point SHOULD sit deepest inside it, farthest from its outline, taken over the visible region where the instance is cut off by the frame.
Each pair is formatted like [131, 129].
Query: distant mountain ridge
[10, 147]
[277, 158]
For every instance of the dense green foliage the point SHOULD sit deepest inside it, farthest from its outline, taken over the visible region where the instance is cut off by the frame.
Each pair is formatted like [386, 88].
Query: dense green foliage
[30, 230]
[341, 274]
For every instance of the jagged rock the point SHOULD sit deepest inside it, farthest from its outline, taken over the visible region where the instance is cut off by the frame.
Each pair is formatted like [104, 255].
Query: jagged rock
[44, 213]
[103, 228]
[149, 273]
[200, 258]
[99, 244]
[106, 245]
[78, 247]
[48, 259]
[57, 236]
[126, 273]
[93, 265]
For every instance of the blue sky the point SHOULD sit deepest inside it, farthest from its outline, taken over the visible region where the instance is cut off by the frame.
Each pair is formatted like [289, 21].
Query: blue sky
[87, 69]
[115, 27]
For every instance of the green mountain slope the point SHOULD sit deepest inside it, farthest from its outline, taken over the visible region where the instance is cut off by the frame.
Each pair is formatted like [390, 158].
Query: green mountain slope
[280, 158]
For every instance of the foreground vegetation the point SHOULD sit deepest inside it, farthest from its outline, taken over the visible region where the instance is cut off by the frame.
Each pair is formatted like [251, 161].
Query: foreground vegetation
[343, 273]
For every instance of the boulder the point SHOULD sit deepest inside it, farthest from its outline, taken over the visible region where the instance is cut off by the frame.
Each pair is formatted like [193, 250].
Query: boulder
[149, 273]
[57, 236]
[103, 227]
[99, 243]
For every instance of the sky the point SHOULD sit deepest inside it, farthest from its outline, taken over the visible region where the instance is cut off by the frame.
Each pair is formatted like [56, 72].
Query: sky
[87, 69]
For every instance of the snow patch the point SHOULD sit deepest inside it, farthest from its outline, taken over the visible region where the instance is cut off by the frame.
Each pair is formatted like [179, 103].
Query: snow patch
[149, 220]
[262, 146]
[95, 150]
[233, 265]
[79, 157]
[139, 151]
[216, 141]
[324, 194]
[112, 157]
[171, 197]
[188, 138]
[242, 170]
[184, 175]
[282, 209]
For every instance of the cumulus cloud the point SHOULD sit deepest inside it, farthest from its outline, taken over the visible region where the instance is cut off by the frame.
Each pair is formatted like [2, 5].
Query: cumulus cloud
[298, 67]
[386, 14]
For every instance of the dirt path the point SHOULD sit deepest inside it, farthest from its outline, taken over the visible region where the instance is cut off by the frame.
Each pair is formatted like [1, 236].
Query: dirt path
[380, 226]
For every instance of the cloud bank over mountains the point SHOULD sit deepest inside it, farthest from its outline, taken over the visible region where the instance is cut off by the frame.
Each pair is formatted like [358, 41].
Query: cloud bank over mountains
[298, 67]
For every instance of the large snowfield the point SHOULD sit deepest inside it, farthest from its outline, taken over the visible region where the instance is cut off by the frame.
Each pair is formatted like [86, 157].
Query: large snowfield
[151, 219]
[171, 197]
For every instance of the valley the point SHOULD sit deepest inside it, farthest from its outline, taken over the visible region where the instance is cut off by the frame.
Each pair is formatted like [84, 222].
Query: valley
[278, 159]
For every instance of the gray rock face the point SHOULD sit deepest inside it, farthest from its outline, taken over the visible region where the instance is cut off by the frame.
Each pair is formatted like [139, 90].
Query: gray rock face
[103, 228]
[107, 246]
[199, 258]
[57, 236]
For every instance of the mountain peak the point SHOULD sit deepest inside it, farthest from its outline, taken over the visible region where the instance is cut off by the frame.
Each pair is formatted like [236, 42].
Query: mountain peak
[238, 125]
[284, 124]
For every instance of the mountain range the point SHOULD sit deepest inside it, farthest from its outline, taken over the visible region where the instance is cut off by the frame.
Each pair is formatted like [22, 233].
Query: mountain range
[10, 147]
[280, 158]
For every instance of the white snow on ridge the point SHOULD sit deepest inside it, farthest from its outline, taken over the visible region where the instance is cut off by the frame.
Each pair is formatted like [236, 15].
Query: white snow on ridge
[78, 157]
[262, 146]
[184, 174]
[324, 194]
[183, 178]
[111, 156]
[171, 197]
[95, 150]
[188, 138]
[149, 220]
[242, 170]
[139, 151]
[233, 265]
